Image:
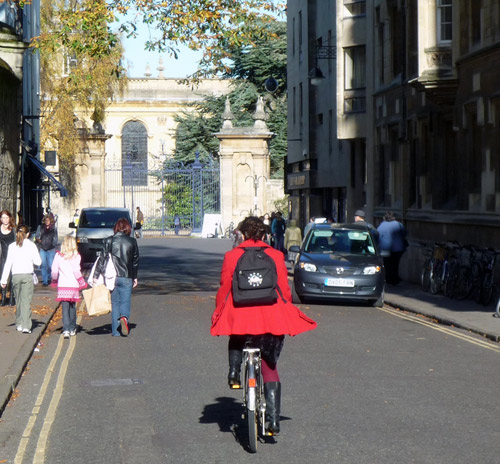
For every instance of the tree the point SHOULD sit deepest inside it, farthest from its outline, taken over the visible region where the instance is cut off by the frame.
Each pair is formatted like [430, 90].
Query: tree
[214, 26]
[75, 79]
[250, 67]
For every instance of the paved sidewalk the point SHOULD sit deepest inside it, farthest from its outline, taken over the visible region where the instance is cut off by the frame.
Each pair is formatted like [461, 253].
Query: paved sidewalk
[465, 314]
[17, 348]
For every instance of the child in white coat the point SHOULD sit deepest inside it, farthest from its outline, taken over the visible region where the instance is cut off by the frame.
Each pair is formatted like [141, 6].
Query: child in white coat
[67, 272]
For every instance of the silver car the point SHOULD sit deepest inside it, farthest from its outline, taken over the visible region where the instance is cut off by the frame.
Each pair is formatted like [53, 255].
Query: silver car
[339, 261]
[95, 225]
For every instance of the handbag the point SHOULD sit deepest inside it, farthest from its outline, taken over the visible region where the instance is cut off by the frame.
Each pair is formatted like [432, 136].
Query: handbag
[97, 300]
[35, 279]
[109, 276]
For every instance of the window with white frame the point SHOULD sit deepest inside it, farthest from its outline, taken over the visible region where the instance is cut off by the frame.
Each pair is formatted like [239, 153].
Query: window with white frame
[444, 21]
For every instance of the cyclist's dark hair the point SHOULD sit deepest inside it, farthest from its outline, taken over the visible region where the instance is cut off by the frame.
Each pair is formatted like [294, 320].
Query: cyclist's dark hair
[252, 228]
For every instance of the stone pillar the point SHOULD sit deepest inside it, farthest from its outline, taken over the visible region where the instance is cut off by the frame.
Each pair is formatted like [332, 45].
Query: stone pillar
[244, 167]
[91, 171]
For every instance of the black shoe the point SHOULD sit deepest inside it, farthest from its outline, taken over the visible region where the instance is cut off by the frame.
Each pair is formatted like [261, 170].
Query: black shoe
[45, 285]
[233, 378]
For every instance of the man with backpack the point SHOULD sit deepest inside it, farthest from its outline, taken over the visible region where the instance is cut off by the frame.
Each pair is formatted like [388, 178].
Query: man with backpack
[254, 304]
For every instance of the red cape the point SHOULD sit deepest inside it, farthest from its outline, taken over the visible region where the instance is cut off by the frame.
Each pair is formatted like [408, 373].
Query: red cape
[281, 318]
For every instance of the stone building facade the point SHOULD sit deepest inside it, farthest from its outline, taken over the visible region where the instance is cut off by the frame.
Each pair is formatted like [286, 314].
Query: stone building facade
[17, 74]
[429, 132]
[146, 112]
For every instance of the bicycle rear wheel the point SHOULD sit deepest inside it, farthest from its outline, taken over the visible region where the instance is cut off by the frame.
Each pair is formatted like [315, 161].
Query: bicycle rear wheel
[435, 279]
[462, 288]
[426, 276]
[252, 431]
[251, 413]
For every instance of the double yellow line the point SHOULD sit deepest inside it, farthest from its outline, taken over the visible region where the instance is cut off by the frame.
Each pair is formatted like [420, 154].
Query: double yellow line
[39, 455]
[475, 341]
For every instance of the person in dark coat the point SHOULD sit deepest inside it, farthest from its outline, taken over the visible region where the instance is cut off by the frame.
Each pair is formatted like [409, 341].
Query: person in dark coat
[46, 239]
[122, 249]
[392, 235]
[7, 236]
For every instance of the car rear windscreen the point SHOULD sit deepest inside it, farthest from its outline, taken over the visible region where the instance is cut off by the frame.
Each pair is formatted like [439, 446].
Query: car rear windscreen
[101, 219]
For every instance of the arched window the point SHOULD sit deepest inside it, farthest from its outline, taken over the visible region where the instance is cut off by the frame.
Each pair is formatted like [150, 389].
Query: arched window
[134, 154]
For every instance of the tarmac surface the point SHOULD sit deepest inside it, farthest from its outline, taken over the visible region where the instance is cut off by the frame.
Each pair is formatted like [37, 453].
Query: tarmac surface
[17, 348]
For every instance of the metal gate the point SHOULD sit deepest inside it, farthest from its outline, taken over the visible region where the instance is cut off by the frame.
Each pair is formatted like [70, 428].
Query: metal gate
[189, 191]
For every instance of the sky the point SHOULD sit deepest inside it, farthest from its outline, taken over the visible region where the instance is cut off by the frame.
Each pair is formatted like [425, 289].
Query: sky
[137, 58]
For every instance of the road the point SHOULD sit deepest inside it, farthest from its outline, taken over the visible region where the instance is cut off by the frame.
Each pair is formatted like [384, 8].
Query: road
[367, 386]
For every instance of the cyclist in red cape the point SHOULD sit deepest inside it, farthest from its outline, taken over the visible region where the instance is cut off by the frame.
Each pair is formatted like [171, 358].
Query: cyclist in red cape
[265, 326]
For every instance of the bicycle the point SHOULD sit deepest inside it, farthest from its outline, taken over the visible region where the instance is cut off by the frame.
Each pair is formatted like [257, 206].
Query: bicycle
[484, 293]
[254, 401]
[451, 269]
[432, 271]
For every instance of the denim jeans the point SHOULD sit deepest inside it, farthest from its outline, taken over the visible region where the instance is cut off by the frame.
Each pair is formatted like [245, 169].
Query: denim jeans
[121, 299]
[47, 259]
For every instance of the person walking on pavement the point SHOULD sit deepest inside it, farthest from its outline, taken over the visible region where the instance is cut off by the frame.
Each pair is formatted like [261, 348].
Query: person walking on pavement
[392, 243]
[46, 238]
[21, 257]
[66, 271]
[359, 216]
[293, 236]
[177, 224]
[264, 326]
[76, 217]
[139, 222]
[7, 236]
[122, 249]
[278, 227]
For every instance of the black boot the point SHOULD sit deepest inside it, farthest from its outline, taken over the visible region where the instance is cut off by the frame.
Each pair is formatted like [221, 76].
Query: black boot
[4, 297]
[233, 378]
[12, 300]
[272, 391]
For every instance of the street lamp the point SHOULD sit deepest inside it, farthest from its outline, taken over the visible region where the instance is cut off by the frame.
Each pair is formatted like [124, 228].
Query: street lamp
[255, 179]
[326, 52]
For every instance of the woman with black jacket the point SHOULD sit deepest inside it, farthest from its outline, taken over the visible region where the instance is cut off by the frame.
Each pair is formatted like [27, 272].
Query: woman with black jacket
[122, 249]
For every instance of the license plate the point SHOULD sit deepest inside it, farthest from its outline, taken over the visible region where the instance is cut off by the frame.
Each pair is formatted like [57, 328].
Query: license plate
[336, 282]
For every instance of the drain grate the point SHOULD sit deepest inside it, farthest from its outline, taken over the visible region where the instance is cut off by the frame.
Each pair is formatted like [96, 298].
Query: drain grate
[113, 382]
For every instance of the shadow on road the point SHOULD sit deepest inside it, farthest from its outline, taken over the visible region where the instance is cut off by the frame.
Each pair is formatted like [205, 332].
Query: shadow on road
[227, 413]
[168, 270]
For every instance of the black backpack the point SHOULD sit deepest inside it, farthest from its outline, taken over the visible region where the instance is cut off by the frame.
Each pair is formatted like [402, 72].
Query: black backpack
[255, 279]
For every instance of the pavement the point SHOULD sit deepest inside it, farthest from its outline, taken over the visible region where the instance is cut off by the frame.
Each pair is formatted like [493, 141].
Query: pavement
[18, 348]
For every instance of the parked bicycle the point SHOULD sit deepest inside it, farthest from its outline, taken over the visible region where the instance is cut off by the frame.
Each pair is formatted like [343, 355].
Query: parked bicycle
[433, 269]
[253, 396]
[485, 287]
